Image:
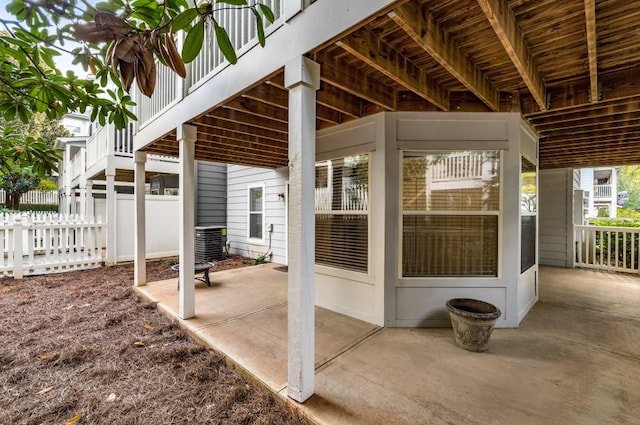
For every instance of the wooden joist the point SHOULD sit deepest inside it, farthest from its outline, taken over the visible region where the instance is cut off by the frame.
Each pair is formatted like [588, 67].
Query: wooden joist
[506, 28]
[425, 31]
[374, 52]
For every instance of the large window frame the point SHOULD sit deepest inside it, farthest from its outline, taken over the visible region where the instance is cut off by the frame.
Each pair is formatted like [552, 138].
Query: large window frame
[528, 213]
[253, 212]
[443, 214]
[328, 215]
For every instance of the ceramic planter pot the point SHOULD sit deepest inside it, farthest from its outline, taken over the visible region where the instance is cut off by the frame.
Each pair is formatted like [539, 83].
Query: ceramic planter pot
[472, 322]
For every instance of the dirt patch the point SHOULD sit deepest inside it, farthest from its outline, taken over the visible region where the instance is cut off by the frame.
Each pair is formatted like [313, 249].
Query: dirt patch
[83, 345]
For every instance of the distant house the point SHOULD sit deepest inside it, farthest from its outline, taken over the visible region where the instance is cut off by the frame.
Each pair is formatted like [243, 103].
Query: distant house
[96, 179]
[600, 186]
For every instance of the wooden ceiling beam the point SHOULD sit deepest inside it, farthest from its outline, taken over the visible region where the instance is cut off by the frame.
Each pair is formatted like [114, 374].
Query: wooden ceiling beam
[590, 16]
[330, 97]
[423, 28]
[612, 128]
[258, 109]
[616, 87]
[235, 140]
[239, 117]
[341, 101]
[354, 81]
[271, 94]
[241, 129]
[602, 108]
[628, 146]
[595, 136]
[370, 49]
[505, 26]
[589, 123]
[220, 152]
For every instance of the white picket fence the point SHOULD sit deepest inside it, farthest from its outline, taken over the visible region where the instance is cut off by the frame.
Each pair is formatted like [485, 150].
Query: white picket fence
[49, 243]
[34, 197]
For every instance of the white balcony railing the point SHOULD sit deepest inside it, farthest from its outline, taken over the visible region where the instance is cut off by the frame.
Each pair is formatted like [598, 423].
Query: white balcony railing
[602, 191]
[77, 164]
[354, 197]
[607, 248]
[108, 140]
[458, 167]
[170, 88]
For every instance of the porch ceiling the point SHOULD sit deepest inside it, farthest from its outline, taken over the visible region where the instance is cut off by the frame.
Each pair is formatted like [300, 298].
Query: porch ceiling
[572, 68]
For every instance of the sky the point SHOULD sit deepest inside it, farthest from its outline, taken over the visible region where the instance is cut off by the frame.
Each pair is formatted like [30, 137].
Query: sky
[63, 62]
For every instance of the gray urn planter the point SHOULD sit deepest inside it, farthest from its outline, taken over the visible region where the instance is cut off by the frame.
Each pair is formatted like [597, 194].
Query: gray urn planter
[472, 322]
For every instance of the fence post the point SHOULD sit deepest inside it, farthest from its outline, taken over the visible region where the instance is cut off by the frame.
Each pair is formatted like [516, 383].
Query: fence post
[17, 248]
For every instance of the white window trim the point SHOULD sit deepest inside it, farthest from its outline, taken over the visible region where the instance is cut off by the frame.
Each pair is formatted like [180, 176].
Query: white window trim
[337, 271]
[401, 213]
[249, 187]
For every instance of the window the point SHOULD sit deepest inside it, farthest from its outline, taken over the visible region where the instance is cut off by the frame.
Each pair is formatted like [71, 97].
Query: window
[528, 208]
[450, 211]
[256, 212]
[342, 213]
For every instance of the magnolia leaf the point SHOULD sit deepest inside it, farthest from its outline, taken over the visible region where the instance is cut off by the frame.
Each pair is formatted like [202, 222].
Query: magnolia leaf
[44, 391]
[111, 397]
[46, 356]
[139, 344]
[259, 27]
[193, 42]
[267, 12]
[148, 326]
[184, 19]
[233, 2]
[224, 43]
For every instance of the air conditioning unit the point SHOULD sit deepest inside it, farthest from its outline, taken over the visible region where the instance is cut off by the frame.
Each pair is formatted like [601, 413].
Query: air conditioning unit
[210, 242]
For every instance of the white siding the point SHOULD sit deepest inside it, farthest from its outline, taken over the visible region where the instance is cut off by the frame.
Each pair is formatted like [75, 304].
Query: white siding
[555, 217]
[211, 197]
[238, 179]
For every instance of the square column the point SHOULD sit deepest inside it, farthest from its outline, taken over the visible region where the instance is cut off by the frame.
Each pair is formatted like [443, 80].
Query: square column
[111, 216]
[89, 199]
[187, 136]
[302, 79]
[139, 244]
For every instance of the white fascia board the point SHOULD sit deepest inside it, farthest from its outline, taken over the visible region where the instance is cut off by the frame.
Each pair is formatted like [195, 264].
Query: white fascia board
[316, 25]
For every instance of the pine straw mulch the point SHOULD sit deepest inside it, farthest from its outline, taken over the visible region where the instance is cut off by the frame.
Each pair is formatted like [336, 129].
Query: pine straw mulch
[81, 347]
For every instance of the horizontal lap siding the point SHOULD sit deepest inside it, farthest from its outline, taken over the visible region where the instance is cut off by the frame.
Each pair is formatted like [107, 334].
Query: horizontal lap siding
[555, 210]
[212, 194]
[239, 179]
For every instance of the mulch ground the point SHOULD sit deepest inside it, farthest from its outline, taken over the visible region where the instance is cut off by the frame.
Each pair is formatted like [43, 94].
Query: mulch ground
[81, 347]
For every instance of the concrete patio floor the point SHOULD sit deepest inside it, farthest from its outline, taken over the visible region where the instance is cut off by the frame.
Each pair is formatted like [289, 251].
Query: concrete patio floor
[574, 360]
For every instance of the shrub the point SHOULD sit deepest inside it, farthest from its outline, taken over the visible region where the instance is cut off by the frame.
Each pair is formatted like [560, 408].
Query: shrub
[39, 207]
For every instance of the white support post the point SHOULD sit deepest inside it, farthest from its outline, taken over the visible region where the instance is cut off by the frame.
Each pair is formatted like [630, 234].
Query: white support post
[187, 135]
[140, 249]
[302, 79]
[83, 198]
[17, 248]
[89, 198]
[111, 217]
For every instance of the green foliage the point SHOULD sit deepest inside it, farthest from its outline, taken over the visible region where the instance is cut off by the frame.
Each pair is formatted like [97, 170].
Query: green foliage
[47, 186]
[27, 155]
[628, 213]
[260, 259]
[43, 29]
[31, 208]
[629, 181]
[615, 222]
[39, 207]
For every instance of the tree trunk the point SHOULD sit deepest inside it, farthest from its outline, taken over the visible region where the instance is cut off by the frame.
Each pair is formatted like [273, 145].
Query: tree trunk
[13, 201]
